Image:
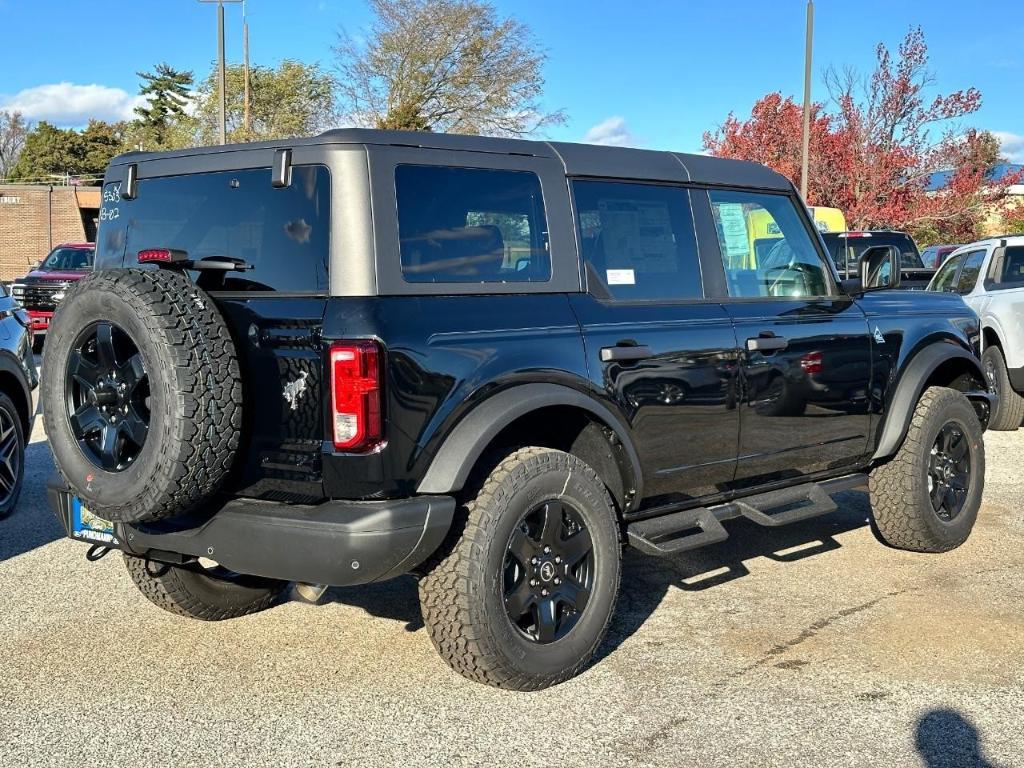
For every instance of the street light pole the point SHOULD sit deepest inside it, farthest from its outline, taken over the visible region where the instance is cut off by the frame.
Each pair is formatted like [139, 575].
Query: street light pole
[221, 74]
[805, 162]
[245, 59]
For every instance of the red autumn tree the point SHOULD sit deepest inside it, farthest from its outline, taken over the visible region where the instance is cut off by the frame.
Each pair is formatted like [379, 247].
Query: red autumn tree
[875, 154]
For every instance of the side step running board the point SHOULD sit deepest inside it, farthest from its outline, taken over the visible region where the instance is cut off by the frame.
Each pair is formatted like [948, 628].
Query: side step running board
[796, 504]
[688, 529]
[677, 532]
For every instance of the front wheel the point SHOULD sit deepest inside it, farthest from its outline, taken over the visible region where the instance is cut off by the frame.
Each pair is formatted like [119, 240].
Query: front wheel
[926, 497]
[523, 594]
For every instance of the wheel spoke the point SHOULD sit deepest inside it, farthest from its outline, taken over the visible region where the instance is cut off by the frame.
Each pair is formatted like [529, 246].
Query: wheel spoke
[574, 594]
[86, 420]
[576, 547]
[521, 547]
[84, 371]
[520, 599]
[546, 620]
[958, 447]
[552, 528]
[135, 429]
[938, 489]
[108, 447]
[950, 501]
[133, 372]
[105, 346]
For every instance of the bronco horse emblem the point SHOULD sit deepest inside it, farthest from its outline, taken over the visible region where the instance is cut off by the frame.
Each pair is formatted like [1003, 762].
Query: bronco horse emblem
[293, 390]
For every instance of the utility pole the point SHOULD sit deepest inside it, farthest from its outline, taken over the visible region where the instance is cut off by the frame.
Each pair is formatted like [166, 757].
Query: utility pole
[245, 58]
[805, 162]
[221, 75]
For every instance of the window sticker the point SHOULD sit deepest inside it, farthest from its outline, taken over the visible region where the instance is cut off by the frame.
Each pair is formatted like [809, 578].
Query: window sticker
[620, 277]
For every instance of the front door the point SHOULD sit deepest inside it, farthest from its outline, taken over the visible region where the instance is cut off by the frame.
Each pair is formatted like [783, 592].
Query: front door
[664, 357]
[805, 348]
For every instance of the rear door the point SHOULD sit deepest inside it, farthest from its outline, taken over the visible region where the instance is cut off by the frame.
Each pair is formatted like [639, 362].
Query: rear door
[805, 349]
[663, 355]
[274, 308]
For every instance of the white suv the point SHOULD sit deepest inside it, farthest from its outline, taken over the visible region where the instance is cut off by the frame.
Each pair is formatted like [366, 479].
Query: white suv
[989, 275]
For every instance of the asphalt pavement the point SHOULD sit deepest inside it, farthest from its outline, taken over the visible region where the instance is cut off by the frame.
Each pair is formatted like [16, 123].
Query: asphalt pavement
[811, 645]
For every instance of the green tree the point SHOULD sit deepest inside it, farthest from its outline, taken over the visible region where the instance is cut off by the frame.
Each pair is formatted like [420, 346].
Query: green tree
[100, 142]
[293, 100]
[443, 65]
[168, 92]
[49, 151]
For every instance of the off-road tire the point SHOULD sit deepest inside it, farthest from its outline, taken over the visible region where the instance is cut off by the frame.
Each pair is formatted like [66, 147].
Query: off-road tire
[188, 591]
[902, 511]
[195, 394]
[1009, 411]
[461, 592]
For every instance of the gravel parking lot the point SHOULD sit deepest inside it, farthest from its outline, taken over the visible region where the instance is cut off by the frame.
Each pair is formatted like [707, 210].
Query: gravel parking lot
[811, 645]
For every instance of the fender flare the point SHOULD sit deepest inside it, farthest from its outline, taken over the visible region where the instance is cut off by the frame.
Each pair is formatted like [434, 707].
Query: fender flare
[910, 388]
[10, 367]
[458, 454]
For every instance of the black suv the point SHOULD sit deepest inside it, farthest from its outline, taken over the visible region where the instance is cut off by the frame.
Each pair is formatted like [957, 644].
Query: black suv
[490, 363]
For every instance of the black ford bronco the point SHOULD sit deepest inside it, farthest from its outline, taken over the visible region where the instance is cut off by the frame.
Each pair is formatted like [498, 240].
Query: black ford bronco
[490, 363]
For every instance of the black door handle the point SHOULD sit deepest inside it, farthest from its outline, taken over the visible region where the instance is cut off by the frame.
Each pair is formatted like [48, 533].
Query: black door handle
[766, 343]
[624, 353]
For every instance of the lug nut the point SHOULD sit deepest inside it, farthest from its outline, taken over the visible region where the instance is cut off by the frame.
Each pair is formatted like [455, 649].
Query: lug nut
[558, 560]
[533, 582]
[533, 561]
[544, 593]
[547, 550]
[557, 580]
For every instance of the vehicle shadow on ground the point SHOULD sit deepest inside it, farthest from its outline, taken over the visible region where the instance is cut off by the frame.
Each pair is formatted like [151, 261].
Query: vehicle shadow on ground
[646, 580]
[31, 524]
[947, 739]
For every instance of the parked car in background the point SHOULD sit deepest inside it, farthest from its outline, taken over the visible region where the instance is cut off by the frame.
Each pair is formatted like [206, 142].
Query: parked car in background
[828, 219]
[846, 248]
[934, 255]
[989, 275]
[44, 286]
[18, 383]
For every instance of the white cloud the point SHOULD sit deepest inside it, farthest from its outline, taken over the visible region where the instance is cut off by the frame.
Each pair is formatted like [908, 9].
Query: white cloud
[69, 104]
[611, 132]
[1012, 145]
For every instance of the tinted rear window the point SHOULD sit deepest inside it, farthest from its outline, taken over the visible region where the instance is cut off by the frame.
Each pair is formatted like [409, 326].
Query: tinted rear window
[471, 225]
[282, 233]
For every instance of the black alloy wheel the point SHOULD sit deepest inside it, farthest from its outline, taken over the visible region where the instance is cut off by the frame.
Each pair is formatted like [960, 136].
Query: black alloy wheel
[11, 456]
[549, 572]
[107, 388]
[949, 471]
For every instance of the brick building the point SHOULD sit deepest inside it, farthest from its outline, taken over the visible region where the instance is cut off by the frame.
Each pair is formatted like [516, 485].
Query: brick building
[34, 218]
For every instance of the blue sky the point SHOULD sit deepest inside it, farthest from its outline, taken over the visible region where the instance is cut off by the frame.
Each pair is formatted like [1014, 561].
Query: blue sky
[652, 73]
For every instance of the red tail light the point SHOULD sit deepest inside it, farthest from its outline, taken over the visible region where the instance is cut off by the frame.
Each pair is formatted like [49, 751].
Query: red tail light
[161, 256]
[812, 362]
[356, 396]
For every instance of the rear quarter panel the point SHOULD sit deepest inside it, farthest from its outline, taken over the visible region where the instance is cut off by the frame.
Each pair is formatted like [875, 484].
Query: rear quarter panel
[1003, 312]
[445, 355]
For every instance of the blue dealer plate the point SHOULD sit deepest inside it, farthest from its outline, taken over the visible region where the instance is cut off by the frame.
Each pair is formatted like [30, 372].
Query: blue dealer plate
[87, 527]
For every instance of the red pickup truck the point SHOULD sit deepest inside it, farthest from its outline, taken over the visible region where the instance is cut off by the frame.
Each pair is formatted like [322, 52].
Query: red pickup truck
[44, 286]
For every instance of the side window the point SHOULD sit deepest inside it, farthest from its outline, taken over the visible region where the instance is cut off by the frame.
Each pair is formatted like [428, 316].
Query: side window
[283, 234]
[943, 279]
[471, 225]
[766, 249]
[969, 274]
[1012, 273]
[637, 241]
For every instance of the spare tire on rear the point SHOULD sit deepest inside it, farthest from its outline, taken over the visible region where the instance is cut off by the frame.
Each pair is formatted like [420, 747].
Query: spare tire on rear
[142, 398]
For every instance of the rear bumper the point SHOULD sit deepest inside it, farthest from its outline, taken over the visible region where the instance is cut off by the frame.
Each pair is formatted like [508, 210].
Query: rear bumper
[338, 543]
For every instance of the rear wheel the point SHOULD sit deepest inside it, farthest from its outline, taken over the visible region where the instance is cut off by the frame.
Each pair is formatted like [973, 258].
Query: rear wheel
[198, 592]
[926, 498]
[1009, 411]
[524, 594]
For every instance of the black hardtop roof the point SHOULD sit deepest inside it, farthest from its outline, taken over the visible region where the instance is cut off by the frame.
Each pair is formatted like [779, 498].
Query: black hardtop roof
[578, 159]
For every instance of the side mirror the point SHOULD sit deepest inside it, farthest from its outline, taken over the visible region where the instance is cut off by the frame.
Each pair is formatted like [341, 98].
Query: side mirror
[34, 266]
[879, 268]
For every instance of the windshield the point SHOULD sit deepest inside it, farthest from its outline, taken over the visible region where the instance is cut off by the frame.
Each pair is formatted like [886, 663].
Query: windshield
[68, 259]
[855, 246]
